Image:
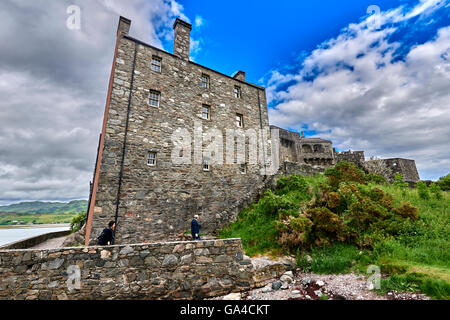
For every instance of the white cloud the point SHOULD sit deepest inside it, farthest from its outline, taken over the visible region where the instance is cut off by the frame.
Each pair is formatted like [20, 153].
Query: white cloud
[351, 90]
[53, 84]
[198, 21]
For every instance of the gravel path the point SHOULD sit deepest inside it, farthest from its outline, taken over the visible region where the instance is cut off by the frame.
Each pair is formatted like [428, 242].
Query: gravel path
[50, 244]
[308, 286]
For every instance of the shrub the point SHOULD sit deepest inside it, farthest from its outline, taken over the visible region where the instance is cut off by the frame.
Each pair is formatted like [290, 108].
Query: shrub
[422, 190]
[287, 184]
[406, 210]
[444, 183]
[344, 172]
[435, 190]
[77, 222]
[400, 183]
[375, 178]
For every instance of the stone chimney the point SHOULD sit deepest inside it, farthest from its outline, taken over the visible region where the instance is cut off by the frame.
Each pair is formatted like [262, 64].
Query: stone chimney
[182, 39]
[124, 26]
[240, 75]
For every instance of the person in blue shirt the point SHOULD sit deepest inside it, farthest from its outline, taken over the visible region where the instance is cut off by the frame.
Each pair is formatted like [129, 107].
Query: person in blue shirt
[195, 228]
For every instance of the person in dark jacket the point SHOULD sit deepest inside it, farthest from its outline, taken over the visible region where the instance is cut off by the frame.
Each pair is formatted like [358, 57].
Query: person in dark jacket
[106, 237]
[195, 228]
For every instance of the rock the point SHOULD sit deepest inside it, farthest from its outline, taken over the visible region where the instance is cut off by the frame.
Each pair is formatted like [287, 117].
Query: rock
[186, 259]
[318, 293]
[276, 285]
[320, 283]
[266, 289]
[289, 274]
[308, 258]
[170, 260]
[232, 296]
[105, 254]
[308, 297]
[126, 250]
[306, 281]
[289, 262]
[56, 264]
[285, 286]
[144, 254]
[285, 278]
[296, 296]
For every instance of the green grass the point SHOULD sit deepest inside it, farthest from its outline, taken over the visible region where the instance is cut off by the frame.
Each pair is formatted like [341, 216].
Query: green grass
[36, 218]
[41, 212]
[417, 260]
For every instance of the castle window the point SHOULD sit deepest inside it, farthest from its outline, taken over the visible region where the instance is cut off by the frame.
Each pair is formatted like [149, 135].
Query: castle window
[156, 64]
[151, 160]
[243, 168]
[237, 92]
[206, 112]
[205, 165]
[154, 98]
[239, 120]
[204, 81]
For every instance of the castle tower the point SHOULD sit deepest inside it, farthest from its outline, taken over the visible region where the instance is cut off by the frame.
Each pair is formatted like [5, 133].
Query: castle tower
[153, 95]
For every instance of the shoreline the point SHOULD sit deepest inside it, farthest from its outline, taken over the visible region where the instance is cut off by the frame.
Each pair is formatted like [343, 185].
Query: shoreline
[35, 226]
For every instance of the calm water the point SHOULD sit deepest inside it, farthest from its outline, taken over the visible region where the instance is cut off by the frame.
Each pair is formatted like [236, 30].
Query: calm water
[12, 234]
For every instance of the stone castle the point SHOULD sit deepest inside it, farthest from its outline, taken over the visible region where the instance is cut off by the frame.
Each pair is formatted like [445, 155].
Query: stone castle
[152, 96]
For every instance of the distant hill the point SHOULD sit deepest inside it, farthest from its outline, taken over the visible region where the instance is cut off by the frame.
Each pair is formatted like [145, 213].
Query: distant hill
[40, 207]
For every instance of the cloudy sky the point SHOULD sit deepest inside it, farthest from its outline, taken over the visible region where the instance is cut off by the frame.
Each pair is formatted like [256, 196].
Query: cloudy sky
[379, 83]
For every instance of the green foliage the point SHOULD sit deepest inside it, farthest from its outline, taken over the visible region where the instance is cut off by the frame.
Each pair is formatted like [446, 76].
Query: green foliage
[436, 191]
[416, 282]
[375, 178]
[400, 183]
[77, 222]
[41, 212]
[344, 172]
[345, 221]
[444, 183]
[422, 190]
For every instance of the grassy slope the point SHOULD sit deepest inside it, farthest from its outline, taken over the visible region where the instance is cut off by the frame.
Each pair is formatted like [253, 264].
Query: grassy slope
[417, 261]
[41, 212]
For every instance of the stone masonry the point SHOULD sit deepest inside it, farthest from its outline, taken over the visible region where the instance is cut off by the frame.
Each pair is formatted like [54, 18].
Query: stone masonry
[157, 202]
[173, 270]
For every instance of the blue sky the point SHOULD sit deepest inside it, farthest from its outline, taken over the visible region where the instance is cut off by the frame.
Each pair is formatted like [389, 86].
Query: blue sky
[271, 41]
[327, 71]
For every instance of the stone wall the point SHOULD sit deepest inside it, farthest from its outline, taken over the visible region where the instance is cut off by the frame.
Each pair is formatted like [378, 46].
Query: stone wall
[407, 168]
[357, 157]
[159, 201]
[174, 270]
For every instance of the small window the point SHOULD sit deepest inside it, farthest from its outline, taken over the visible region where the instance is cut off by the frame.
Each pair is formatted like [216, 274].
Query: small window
[156, 64]
[205, 165]
[243, 168]
[206, 112]
[204, 81]
[239, 120]
[237, 92]
[154, 98]
[151, 161]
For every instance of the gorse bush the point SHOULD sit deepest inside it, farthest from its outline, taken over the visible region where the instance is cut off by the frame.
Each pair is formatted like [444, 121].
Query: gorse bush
[344, 220]
[343, 209]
